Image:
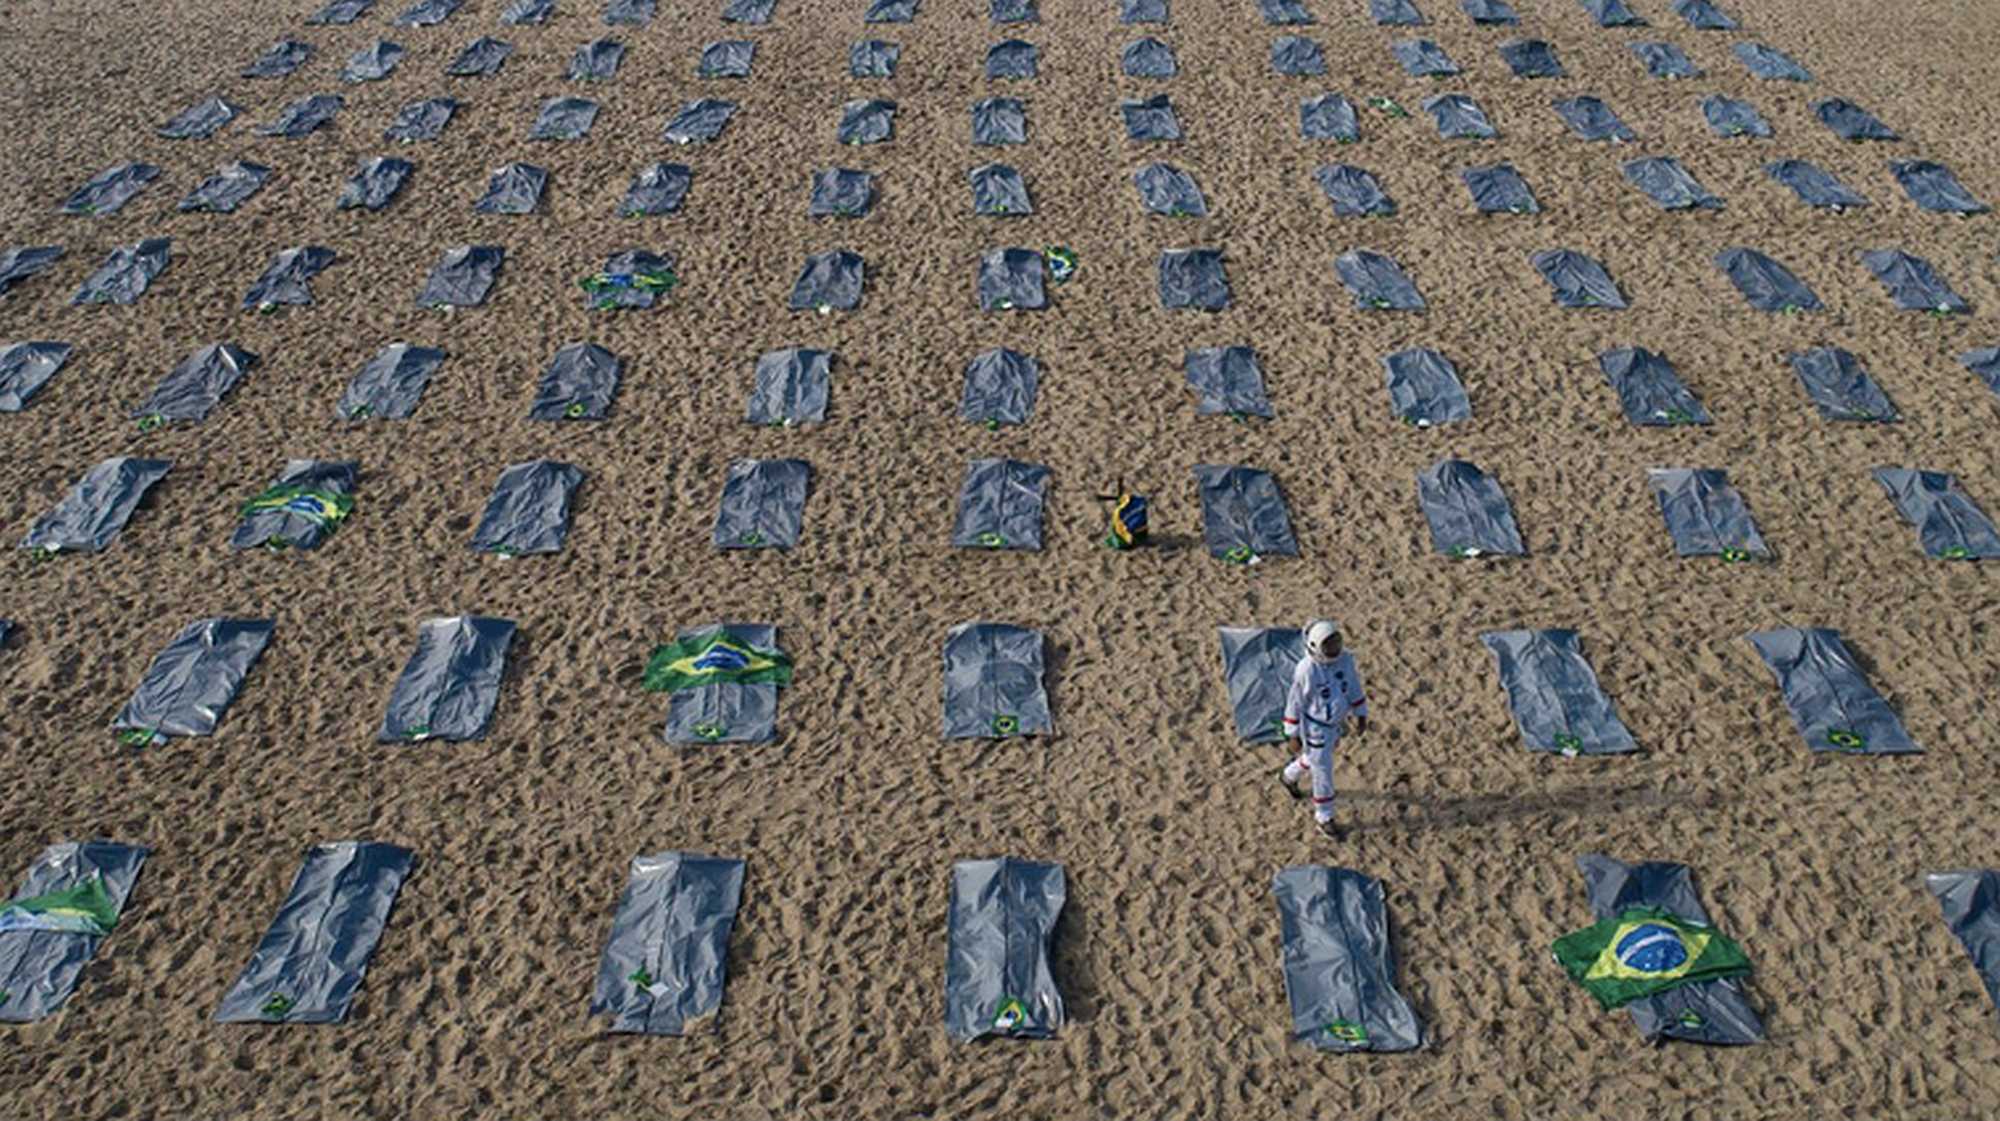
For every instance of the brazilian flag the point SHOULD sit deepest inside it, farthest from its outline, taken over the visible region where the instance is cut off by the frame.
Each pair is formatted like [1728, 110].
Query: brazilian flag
[84, 909]
[713, 659]
[322, 508]
[1645, 950]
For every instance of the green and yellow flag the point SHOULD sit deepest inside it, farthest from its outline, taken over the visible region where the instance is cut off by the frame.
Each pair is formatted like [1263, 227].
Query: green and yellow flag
[323, 508]
[84, 909]
[712, 660]
[1645, 950]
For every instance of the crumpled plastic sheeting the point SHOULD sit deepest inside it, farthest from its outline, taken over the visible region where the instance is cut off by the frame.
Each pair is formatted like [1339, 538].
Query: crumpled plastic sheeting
[562, 118]
[1014, 11]
[1011, 60]
[993, 683]
[842, 192]
[450, 685]
[313, 957]
[1831, 701]
[111, 189]
[1703, 1012]
[1422, 58]
[1148, 58]
[1592, 119]
[1814, 186]
[749, 11]
[297, 528]
[833, 279]
[1340, 965]
[1424, 388]
[1011, 280]
[763, 504]
[999, 120]
[1243, 516]
[1193, 278]
[1665, 60]
[462, 277]
[427, 13]
[1769, 63]
[513, 189]
[1933, 187]
[1284, 13]
[1850, 121]
[1296, 57]
[1764, 283]
[1650, 390]
[1000, 387]
[288, 279]
[873, 58]
[1468, 513]
[1703, 16]
[1378, 283]
[790, 387]
[528, 512]
[1459, 117]
[389, 385]
[578, 384]
[725, 711]
[1531, 58]
[729, 58]
[1839, 387]
[1329, 117]
[891, 11]
[1971, 903]
[39, 969]
[481, 58]
[372, 63]
[664, 965]
[1150, 118]
[200, 120]
[375, 183]
[657, 189]
[1229, 381]
[195, 387]
[1165, 189]
[523, 13]
[1257, 664]
[340, 13]
[1499, 189]
[1554, 695]
[126, 273]
[866, 121]
[228, 188]
[1612, 13]
[1705, 516]
[25, 367]
[629, 13]
[999, 192]
[193, 681]
[1666, 182]
[1727, 116]
[596, 61]
[1000, 505]
[303, 117]
[1912, 282]
[1950, 525]
[1489, 11]
[24, 261]
[279, 59]
[1985, 365]
[1003, 920]
[1142, 11]
[97, 507]
[421, 120]
[699, 121]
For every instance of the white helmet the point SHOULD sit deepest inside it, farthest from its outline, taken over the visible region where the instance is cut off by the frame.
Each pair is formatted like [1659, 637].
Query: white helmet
[1323, 642]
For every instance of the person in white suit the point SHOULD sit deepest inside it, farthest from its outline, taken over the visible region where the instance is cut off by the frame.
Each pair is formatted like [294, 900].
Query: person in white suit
[1325, 693]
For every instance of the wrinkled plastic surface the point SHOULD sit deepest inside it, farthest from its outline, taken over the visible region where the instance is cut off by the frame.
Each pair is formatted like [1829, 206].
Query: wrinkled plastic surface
[1283, 13]
[725, 711]
[287, 281]
[699, 121]
[427, 13]
[1228, 380]
[629, 13]
[729, 58]
[1497, 12]
[481, 58]
[1850, 121]
[1612, 13]
[1459, 117]
[1150, 118]
[1193, 278]
[1011, 280]
[372, 63]
[1329, 117]
[279, 59]
[1531, 58]
[1257, 665]
[999, 120]
[1703, 16]
[1971, 903]
[1000, 505]
[1831, 702]
[311, 961]
[578, 384]
[866, 121]
[1578, 281]
[892, 11]
[664, 966]
[1814, 186]
[1701, 1012]
[1354, 192]
[1726, 116]
[449, 687]
[790, 387]
[39, 969]
[1839, 387]
[1422, 58]
[1765, 284]
[1769, 63]
[763, 504]
[389, 385]
[597, 61]
[1243, 514]
[1296, 57]
[1395, 13]
[23, 261]
[1912, 282]
[125, 275]
[1705, 516]
[1949, 524]
[993, 683]
[1148, 58]
[340, 12]
[231, 185]
[1340, 966]
[1424, 388]
[1665, 60]
[1468, 513]
[375, 183]
[304, 116]
[110, 189]
[630, 272]
[657, 189]
[1377, 282]
[528, 512]
[1666, 182]
[1011, 60]
[752, 12]
[195, 387]
[462, 277]
[1649, 390]
[190, 684]
[97, 507]
[1142, 11]
[1591, 119]
[1002, 925]
[1000, 387]
[999, 192]
[833, 279]
[1554, 695]
[25, 367]
[560, 118]
[297, 528]
[1933, 187]
[873, 58]
[421, 120]
[1499, 189]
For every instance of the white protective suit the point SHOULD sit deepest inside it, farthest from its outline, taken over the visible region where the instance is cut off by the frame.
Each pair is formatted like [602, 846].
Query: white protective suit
[1317, 706]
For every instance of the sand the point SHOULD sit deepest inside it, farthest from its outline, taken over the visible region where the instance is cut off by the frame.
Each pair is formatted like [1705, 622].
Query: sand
[1169, 827]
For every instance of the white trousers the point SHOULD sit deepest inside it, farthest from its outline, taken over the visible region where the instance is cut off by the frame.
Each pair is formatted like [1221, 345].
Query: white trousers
[1318, 759]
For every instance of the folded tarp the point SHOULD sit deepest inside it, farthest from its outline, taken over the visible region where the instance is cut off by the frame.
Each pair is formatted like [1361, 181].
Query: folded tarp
[657, 189]
[1850, 121]
[563, 118]
[1814, 186]
[1578, 280]
[1142, 11]
[1971, 902]
[1243, 516]
[1193, 278]
[843, 192]
[1834, 706]
[1666, 182]
[1591, 119]
[1295, 56]
[1340, 966]
[1229, 381]
[596, 61]
[729, 58]
[1000, 387]
[1664, 60]
[1554, 695]
[1703, 16]
[1013, 11]
[451, 683]
[829, 280]
[578, 384]
[1839, 387]
[421, 120]
[1985, 365]
[1912, 282]
[1769, 63]
[1378, 282]
[1612, 13]
[1497, 12]
[1467, 511]
[1257, 664]
[301, 508]
[1764, 283]
[372, 63]
[528, 512]
[126, 273]
[1706, 517]
[481, 58]
[1011, 60]
[375, 183]
[1011, 280]
[1949, 524]
[1000, 505]
[1531, 58]
[997, 979]
[763, 504]
[1283, 13]
[1933, 187]
[462, 277]
[891, 11]
[999, 120]
[197, 385]
[1424, 388]
[25, 368]
[304, 116]
[873, 58]
[1709, 1011]
[663, 967]
[1165, 189]
[391, 383]
[515, 188]
[1150, 119]
[1329, 117]
[1395, 13]
[97, 507]
[1148, 58]
[998, 191]
[279, 59]
[872, 121]
[790, 387]
[343, 12]
[748, 11]
[190, 684]
[312, 959]
[1354, 192]
[110, 190]
[524, 13]
[1459, 117]
[231, 185]
[1499, 189]
[721, 682]
[1422, 58]
[427, 13]
[993, 683]
[1649, 390]
[699, 121]
[1727, 116]
[69, 901]
[630, 13]
[23, 261]
[287, 281]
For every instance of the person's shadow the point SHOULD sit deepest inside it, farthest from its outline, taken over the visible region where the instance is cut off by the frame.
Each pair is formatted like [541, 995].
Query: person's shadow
[1415, 812]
